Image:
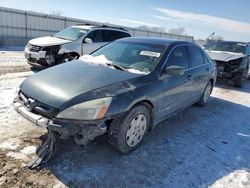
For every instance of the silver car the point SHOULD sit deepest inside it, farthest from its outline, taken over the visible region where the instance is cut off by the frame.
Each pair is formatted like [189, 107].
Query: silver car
[70, 44]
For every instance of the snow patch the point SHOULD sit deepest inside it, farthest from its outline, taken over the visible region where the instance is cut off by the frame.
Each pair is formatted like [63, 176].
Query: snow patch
[17, 155]
[28, 150]
[237, 178]
[136, 71]
[11, 144]
[102, 60]
[96, 60]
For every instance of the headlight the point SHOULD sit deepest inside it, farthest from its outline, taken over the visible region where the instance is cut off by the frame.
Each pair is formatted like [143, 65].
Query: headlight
[90, 110]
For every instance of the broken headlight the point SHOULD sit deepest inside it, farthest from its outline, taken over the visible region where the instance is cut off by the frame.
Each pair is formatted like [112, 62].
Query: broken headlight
[90, 110]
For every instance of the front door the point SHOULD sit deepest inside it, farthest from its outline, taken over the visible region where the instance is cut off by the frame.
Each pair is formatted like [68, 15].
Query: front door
[175, 90]
[97, 41]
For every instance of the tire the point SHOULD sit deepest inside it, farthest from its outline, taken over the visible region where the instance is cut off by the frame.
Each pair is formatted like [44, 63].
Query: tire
[124, 134]
[206, 94]
[237, 82]
[67, 58]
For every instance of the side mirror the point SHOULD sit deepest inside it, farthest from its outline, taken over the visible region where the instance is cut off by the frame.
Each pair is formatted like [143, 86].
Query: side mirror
[88, 40]
[174, 70]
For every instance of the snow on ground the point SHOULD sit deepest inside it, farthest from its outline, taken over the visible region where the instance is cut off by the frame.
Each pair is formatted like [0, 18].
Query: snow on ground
[11, 58]
[199, 147]
[12, 61]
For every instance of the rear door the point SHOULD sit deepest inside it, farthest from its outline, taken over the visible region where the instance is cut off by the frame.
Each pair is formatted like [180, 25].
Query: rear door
[112, 35]
[199, 70]
[175, 90]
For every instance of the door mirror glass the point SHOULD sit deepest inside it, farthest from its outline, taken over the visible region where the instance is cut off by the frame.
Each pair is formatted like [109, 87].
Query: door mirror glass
[174, 70]
[88, 40]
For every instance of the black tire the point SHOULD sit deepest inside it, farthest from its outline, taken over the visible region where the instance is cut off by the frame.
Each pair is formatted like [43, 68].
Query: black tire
[67, 58]
[118, 129]
[237, 82]
[204, 98]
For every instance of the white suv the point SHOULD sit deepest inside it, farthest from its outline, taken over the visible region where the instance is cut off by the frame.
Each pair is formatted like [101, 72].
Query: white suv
[69, 44]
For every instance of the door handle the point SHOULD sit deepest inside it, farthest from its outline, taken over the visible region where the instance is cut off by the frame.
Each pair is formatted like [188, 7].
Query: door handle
[207, 69]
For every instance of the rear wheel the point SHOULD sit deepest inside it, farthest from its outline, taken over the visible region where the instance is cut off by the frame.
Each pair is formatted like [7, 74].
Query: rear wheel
[127, 133]
[206, 94]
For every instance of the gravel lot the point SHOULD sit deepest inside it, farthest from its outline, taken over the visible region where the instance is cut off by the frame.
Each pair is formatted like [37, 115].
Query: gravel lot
[199, 147]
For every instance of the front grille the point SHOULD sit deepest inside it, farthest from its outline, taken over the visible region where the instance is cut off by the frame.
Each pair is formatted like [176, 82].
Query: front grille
[227, 67]
[34, 48]
[35, 106]
[220, 66]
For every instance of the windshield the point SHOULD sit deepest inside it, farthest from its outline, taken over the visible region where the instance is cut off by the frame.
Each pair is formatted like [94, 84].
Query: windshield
[228, 47]
[133, 57]
[70, 33]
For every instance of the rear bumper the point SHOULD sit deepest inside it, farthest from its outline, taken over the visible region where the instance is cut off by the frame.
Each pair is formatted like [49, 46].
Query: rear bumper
[65, 128]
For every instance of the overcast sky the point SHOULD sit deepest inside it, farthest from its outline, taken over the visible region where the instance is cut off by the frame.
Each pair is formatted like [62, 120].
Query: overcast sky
[228, 18]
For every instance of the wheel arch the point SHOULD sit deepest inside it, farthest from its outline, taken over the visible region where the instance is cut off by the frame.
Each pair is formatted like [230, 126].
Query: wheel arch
[212, 82]
[74, 54]
[151, 108]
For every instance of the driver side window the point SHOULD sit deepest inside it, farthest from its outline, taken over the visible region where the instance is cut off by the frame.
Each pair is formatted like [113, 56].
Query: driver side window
[178, 57]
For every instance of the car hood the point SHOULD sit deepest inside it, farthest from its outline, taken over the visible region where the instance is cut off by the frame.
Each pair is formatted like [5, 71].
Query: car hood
[56, 85]
[224, 56]
[48, 41]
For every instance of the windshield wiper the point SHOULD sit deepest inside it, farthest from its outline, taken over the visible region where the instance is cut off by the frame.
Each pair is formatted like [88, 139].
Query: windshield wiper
[119, 67]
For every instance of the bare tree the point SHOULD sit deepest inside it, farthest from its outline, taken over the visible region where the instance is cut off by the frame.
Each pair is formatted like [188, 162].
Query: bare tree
[177, 31]
[56, 12]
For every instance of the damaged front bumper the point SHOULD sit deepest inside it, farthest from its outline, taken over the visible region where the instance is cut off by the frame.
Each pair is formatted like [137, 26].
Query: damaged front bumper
[228, 71]
[82, 131]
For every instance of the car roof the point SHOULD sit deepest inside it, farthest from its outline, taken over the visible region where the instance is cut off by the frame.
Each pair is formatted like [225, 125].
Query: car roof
[84, 26]
[87, 27]
[156, 40]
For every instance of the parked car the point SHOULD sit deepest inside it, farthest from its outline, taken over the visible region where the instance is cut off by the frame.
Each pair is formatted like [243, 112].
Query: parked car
[70, 44]
[232, 59]
[125, 88]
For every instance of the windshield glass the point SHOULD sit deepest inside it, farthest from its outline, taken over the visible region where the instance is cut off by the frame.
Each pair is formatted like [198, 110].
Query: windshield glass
[70, 33]
[228, 47]
[132, 56]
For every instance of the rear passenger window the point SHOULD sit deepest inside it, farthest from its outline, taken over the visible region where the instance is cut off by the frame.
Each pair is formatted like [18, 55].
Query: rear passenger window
[196, 56]
[109, 35]
[122, 35]
[178, 57]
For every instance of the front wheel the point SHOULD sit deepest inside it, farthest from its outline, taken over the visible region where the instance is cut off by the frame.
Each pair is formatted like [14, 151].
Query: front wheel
[127, 133]
[206, 94]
